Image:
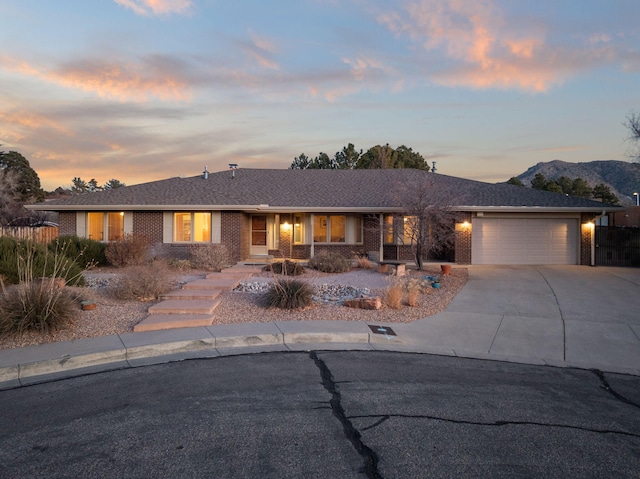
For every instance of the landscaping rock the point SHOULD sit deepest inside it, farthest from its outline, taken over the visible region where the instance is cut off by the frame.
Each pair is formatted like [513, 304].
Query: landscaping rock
[364, 303]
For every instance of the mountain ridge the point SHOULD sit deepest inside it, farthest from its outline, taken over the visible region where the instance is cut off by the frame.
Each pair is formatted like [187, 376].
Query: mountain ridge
[622, 177]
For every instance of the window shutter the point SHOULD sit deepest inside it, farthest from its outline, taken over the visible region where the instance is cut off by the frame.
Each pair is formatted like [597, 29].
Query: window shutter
[216, 227]
[81, 224]
[167, 227]
[128, 222]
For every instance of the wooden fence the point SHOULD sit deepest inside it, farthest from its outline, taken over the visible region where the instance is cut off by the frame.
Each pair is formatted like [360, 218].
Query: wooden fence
[42, 234]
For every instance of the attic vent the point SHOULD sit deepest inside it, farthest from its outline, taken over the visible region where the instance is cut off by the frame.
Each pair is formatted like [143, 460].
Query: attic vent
[233, 167]
[205, 173]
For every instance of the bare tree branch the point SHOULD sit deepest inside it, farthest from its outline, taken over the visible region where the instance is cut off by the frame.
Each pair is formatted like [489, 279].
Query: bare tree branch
[632, 123]
[429, 215]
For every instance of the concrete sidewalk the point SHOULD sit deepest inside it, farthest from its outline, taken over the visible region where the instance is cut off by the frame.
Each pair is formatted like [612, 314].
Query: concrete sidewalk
[569, 316]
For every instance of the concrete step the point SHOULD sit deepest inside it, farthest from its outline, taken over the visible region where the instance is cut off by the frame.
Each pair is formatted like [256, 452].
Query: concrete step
[157, 322]
[242, 269]
[179, 306]
[188, 294]
[225, 284]
[229, 276]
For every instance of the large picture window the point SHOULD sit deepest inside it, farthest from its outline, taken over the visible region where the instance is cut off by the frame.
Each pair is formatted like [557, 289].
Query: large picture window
[400, 229]
[192, 227]
[329, 228]
[105, 226]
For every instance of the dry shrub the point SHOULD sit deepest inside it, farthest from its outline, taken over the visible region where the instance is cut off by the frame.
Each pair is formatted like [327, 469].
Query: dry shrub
[210, 257]
[178, 264]
[130, 250]
[36, 306]
[330, 263]
[39, 303]
[286, 267]
[393, 295]
[363, 262]
[288, 294]
[143, 282]
[413, 295]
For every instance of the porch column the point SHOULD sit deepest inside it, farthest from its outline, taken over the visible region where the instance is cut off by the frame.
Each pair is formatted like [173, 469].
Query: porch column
[312, 235]
[381, 227]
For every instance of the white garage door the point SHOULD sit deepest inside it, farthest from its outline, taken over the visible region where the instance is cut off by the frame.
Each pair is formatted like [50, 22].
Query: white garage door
[524, 241]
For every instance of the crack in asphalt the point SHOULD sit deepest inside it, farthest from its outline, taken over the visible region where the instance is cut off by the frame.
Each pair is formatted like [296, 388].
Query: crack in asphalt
[385, 417]
[370, 467]
[605, 385]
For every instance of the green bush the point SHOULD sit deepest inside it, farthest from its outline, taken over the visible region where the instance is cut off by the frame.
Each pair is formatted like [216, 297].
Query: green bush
[286, 267]
[84, 251]
[288, 294]
[21, 261]
[130, 250]
[143, 282]
[36, 306]
[330, 263]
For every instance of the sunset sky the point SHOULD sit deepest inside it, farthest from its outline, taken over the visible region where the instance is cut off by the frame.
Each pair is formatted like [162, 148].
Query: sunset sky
[139, 90]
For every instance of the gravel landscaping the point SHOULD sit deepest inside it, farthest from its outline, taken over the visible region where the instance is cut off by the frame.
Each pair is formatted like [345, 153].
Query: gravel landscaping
[113, 316]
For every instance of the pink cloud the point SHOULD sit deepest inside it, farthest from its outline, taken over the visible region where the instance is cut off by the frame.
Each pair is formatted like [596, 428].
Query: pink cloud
[32, 121]
[482, 49]
[116, 80]
[261, 51]
[156, 7]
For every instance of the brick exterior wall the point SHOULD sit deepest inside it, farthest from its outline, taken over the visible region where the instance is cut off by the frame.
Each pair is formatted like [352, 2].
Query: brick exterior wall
[67, 223]
[371, 234]
[346, 250]
[586, 233]
[149, 224]
[402, 252]
[235, 229]
[463, 239]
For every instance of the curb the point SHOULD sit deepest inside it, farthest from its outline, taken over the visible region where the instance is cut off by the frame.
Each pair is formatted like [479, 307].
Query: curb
[53, 361]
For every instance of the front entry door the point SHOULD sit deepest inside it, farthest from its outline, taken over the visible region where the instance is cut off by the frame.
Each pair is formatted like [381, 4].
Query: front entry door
[259, 235]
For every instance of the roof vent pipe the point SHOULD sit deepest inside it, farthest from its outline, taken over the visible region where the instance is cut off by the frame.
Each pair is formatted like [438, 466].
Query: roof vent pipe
[433, 168]
[233, 167]
[205, 173]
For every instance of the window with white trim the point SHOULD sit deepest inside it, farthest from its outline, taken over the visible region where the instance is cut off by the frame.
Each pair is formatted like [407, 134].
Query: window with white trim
[192, 227]
[105, 226]
[400, 230]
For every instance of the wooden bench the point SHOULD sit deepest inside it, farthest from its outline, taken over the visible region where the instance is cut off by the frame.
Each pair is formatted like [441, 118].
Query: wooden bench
[401, 267]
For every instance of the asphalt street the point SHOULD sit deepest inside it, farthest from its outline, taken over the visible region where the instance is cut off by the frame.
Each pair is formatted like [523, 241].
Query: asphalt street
[325, 415]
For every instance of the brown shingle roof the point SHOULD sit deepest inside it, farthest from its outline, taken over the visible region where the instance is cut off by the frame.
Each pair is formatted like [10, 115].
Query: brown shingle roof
[306, 189]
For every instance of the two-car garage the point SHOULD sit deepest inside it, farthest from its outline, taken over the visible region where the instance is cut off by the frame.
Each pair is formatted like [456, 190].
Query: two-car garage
[524, 240]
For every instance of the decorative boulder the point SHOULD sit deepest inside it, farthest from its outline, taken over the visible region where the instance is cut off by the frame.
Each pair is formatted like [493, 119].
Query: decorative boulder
[364, 303]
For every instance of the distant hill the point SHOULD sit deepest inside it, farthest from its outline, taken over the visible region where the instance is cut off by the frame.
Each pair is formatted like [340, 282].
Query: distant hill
[622, 177]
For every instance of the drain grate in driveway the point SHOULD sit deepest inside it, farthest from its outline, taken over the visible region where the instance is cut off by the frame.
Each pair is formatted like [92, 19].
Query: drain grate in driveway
[386, 330]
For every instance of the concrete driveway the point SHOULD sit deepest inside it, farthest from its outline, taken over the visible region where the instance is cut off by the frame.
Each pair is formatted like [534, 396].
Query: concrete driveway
[560, 315]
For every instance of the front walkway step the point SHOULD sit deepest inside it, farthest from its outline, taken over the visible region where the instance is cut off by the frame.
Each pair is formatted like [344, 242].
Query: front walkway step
[156, 322]
[242, 269]
[178, 306]
[227, 276]
[188, 294]
[225, 284]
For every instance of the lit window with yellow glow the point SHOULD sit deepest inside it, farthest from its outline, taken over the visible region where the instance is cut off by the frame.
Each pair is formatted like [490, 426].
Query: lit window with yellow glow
[329, 228]
[99, 222]
[192, 227]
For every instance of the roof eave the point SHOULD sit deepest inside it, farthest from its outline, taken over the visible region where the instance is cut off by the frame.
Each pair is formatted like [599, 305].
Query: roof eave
[315, 209]
[541, 209]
